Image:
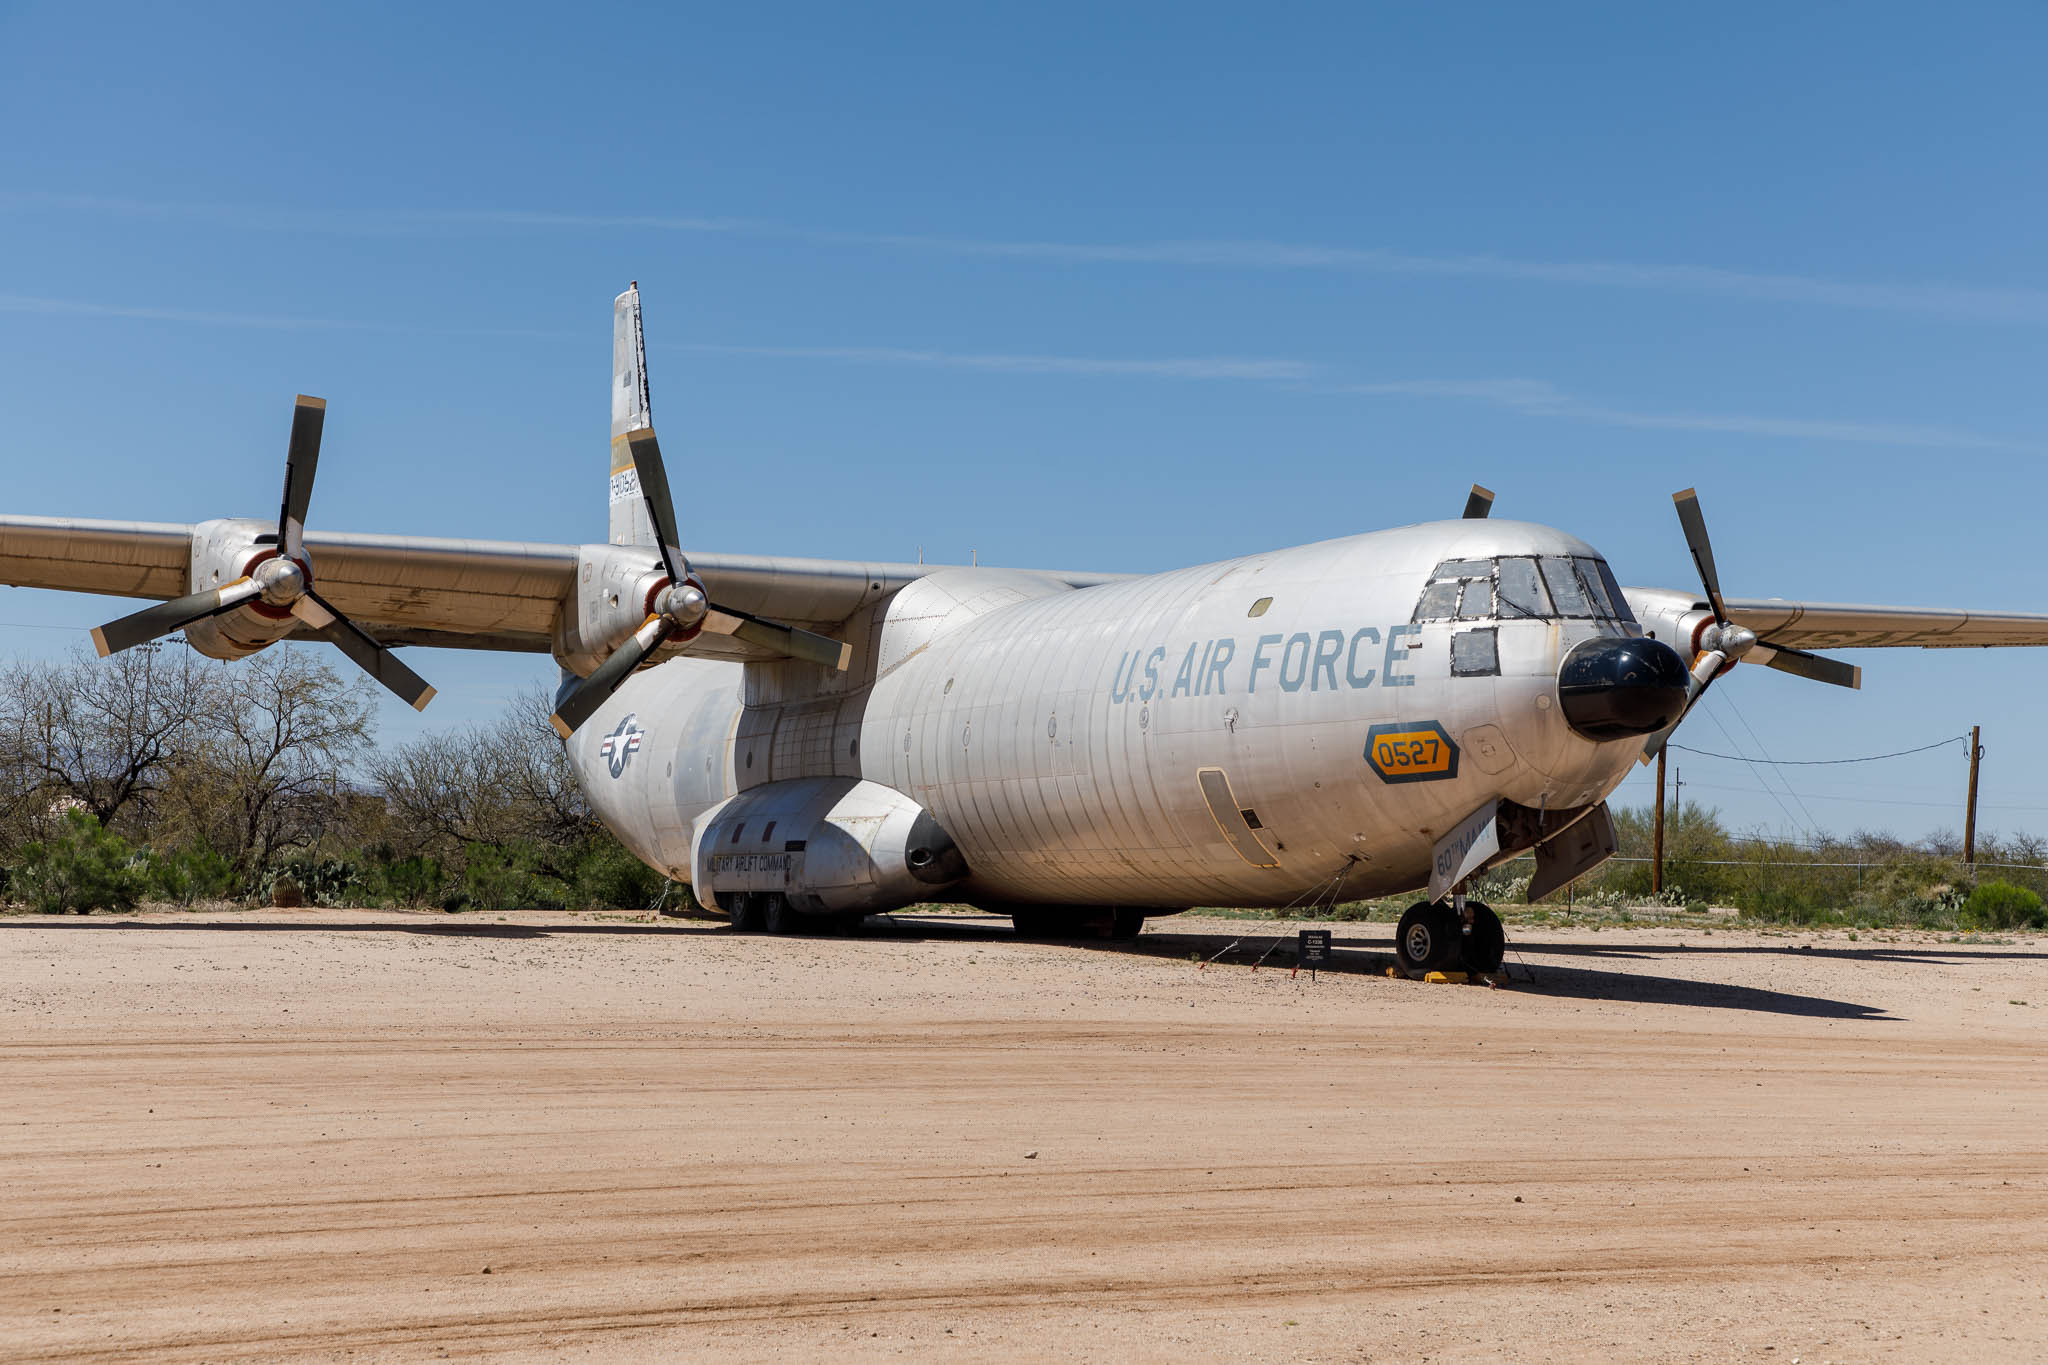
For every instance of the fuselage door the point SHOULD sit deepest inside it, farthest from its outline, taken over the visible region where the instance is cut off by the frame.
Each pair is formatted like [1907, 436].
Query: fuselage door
[1238, 824]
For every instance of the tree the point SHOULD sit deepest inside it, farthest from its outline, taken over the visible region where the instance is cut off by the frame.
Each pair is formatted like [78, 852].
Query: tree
[505, 783]
[82, 867]
[264, 772]
[99, 734]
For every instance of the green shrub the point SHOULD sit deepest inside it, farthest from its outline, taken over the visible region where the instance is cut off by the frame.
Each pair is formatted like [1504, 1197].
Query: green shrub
[86, 867]
[501, 879]
[2001, 905]
[322, 881]
[386, 879]
[608, 877]
[185, 875]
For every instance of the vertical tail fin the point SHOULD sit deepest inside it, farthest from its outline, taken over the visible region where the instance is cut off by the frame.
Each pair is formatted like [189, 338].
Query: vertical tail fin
[630, 524]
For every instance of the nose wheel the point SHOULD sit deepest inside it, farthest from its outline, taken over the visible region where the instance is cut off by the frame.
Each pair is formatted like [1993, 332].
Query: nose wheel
[1434, 938]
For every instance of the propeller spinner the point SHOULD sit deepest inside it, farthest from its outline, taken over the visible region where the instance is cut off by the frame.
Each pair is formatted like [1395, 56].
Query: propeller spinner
[681, 608]
[283, 580]
[1724, 642]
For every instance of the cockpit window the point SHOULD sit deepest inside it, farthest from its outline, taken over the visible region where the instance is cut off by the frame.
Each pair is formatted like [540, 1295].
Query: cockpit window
[1521, 590]
[1621, 611]
[1565, 588]
[1522, 587]
[1439, 602]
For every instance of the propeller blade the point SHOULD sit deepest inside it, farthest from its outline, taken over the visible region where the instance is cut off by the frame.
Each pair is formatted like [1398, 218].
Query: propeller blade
[374, 659]
[1801, 664]
[661, 507]
[1702, 550]
[588, 695]
[792, 641]
[1704, 670]
[1478, 503]
[301, 459]
[167, 617]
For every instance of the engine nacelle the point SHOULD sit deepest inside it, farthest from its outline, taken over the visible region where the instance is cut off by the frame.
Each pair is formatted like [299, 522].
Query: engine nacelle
[614, 594]
[830, 844]
[222, 551]
[1676, 618]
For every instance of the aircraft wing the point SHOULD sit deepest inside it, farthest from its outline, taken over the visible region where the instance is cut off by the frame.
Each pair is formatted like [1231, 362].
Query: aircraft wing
[452, 593]
[1855, 625]
[1846, 625]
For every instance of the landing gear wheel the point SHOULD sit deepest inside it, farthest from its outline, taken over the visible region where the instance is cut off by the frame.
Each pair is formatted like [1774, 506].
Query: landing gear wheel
[780, 919]
[1125, 925]
[749, 916]
[1038, 924]
[1427, 938]
[1487, 944]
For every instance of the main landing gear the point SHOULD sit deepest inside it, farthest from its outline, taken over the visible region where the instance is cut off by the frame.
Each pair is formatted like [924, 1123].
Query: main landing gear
[769, 912]
[1441, 938]
[1117, 924]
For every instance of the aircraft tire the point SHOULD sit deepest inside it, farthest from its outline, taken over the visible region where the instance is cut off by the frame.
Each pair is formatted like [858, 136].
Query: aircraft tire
[1487, 944]
[779, 917]
[748, 914]
[1038, 924]
[1427, 938]
[1125, 925]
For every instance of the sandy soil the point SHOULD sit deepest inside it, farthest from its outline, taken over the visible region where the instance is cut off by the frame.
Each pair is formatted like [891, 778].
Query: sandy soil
[307, 1134]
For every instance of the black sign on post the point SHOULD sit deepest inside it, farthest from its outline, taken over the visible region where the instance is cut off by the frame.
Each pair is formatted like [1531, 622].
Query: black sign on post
[1314, 951]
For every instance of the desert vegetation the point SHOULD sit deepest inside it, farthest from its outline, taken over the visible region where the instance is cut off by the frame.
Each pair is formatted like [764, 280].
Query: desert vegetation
[158, 775]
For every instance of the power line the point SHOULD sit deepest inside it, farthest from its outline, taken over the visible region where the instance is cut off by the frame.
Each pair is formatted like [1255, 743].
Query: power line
[1757, 773]
[1812, 824]
[1821, 762]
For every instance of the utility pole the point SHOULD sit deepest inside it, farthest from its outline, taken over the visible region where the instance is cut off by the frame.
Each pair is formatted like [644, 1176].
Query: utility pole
[1657, 838]
[1970, 815]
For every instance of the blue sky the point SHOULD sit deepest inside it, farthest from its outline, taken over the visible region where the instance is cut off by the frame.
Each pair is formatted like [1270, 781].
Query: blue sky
[1122, 290]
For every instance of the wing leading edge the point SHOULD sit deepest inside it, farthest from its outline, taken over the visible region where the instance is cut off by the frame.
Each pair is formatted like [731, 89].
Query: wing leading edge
[1849, 625]
[441, 591]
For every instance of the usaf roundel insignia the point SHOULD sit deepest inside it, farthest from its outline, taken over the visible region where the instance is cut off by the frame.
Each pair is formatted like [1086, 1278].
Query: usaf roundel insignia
[1412, 751]
[621, 744]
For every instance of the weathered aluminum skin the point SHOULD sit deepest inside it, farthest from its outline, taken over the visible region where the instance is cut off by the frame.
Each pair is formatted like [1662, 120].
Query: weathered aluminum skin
[1051, 732]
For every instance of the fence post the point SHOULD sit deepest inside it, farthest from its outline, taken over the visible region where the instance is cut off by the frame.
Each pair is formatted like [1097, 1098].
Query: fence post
[1657, 837]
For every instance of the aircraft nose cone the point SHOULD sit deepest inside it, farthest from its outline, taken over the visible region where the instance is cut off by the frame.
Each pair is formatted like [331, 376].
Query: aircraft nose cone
[1616, 687]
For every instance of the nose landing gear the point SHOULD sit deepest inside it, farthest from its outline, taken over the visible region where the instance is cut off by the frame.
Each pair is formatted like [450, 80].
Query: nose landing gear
[1438, 938]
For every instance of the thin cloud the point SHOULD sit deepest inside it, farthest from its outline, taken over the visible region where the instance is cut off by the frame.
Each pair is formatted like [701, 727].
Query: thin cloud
[1197, 367]
[366, 222]
[1531, 397]
[81, 308]
[1944, 300]
[77, 308]
[1538, 398]
[1960, 302]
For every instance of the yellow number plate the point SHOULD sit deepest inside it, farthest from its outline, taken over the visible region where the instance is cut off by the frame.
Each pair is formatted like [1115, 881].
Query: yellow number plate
[1417, 751]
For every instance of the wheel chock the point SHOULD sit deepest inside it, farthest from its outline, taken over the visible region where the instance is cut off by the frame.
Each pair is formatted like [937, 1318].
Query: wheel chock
[1447, 978]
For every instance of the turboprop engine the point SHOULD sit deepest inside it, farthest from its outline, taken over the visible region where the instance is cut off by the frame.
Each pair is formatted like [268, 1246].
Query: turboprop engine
[826, 845]
[249, 586]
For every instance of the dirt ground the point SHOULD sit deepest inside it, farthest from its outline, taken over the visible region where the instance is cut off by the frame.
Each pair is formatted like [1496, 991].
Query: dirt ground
[361, 1135]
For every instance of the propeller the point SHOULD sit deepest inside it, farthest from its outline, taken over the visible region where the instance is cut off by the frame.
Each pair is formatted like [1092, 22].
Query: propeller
[681, 607]
[1478, 503]
[282, 580]
[1725, 642]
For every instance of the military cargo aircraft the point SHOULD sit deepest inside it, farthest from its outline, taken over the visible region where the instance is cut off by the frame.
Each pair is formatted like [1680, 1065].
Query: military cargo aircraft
[810, 741]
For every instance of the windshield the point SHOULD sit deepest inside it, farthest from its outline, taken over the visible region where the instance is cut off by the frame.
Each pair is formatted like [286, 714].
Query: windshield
[1523, 587]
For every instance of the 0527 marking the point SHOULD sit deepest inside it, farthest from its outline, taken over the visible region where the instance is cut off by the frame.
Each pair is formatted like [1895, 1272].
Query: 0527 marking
[1411, 751]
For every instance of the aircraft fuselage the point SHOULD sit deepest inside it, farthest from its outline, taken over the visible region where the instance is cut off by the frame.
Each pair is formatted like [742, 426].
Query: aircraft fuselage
[1281, 727]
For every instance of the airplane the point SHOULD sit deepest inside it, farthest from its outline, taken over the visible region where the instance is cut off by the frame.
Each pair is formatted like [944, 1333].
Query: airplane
[807, 742]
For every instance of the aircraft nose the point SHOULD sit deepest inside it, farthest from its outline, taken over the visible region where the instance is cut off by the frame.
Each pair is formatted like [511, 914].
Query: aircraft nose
[1615, 687]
